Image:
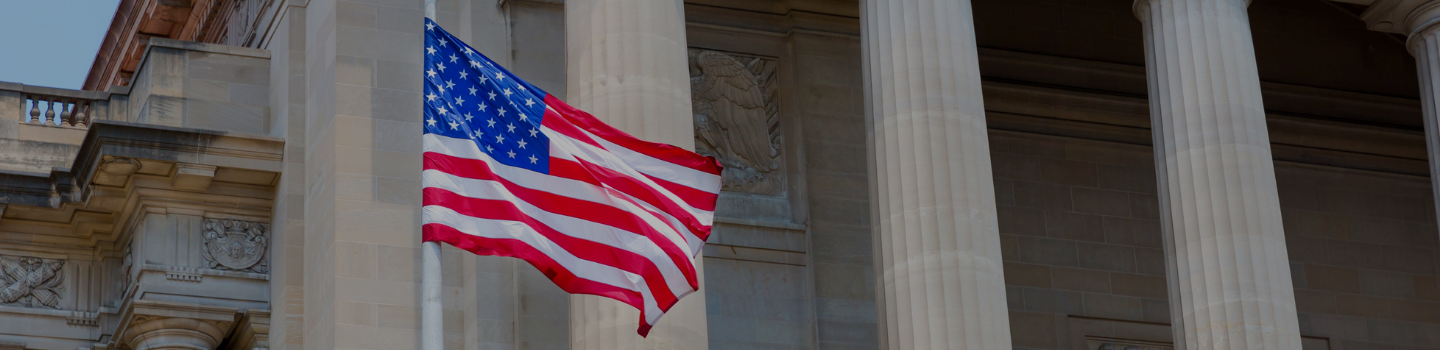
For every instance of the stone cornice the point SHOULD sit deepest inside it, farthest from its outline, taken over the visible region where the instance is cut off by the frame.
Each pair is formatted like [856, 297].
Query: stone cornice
[143, 141]
[124, 167]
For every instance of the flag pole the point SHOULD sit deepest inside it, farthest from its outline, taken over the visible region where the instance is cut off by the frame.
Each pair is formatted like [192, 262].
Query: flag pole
[432, 328]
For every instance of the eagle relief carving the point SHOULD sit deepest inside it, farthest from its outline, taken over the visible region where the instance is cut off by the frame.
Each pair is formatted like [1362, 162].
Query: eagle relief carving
[737, 119]
[236, 245]
[31, 282]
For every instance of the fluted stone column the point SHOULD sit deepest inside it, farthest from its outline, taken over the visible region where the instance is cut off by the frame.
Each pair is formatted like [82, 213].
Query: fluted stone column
[1228, 273]
[1424, 43]
[626, 64]
[937, 245]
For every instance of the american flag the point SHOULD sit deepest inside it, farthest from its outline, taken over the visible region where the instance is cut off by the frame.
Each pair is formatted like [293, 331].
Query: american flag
[512, 171]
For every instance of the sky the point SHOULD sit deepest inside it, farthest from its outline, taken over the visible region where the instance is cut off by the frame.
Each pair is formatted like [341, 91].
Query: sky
[51, 42]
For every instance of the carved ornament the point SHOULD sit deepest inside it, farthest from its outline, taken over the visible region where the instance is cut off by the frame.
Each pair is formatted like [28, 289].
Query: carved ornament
[236, 245]
[31, 282]
[737, 119]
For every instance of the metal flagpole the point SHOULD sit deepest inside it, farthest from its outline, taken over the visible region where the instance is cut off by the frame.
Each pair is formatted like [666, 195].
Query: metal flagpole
[432, 328]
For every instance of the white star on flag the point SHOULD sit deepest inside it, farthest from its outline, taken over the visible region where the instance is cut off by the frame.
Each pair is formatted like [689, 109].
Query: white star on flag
[512, 154]
[430, 50]
[431, 96]
[454, 126]
[472, 93]
[431, 121]
[522, 143]
[453, 58]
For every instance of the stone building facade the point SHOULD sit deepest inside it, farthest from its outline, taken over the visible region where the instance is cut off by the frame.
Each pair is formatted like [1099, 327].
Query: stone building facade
[901, 174]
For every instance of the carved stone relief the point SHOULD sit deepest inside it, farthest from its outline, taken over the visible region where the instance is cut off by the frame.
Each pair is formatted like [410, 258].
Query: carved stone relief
[236, 245]
[733, 98]
[31, 282]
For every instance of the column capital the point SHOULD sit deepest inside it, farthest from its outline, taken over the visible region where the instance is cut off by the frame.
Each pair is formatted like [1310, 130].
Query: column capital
[160, 325]
[1405, 17]
[1135, 6]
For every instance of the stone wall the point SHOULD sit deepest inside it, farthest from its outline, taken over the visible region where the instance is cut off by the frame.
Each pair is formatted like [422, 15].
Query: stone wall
[203, 86]
[1362, 249]
[287, 100]
[1080, 235]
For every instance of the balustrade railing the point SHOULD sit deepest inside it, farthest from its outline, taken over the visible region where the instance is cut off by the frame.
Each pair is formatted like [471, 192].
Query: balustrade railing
[52, 107]
[54, 110]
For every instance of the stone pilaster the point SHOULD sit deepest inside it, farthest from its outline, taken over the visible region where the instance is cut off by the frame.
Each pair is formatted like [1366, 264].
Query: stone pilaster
[157, 325]
[940, 284]
[626, 64]
[1228, 272]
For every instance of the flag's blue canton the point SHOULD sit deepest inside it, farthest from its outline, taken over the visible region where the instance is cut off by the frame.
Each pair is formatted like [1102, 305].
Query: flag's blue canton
[469, 96]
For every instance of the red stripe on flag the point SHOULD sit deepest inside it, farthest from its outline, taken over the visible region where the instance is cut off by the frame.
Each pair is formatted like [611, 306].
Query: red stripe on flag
[517, 249]
[562, 205]
[663, 152]
[584, 249]
[555, 121]
[631, 186]
[696, 198]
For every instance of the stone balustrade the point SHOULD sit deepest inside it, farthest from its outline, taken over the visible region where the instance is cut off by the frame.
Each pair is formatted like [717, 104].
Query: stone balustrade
[39, 105]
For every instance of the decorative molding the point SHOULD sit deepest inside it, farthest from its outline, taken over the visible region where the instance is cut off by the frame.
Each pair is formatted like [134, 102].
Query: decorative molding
[1402, 17]
[733, 98]
[236, 245]
[86, 319]
[182, 274]
[31, 282]
[1103, 343]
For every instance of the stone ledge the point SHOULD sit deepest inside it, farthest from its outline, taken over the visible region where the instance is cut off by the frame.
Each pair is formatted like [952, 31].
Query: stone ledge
[143, 141]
